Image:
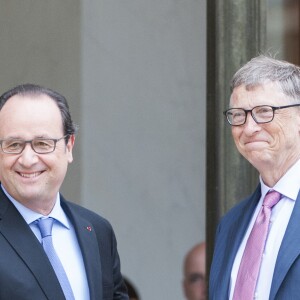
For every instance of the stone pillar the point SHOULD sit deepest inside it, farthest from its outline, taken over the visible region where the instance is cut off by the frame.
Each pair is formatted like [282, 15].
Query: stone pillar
[236, 31]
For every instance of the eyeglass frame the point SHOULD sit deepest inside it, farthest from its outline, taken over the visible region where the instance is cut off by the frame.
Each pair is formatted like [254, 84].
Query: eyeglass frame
[30, 142]
[225, 113]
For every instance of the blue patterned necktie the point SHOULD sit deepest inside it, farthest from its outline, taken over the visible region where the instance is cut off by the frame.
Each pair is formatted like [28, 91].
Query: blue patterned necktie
[45, 226]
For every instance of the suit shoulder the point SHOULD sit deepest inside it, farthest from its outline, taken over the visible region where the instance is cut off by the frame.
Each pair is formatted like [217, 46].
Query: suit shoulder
[246, 204]
[86, 213]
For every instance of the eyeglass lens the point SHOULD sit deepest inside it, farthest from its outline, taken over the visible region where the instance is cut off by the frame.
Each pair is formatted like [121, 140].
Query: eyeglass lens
[261, 114]
[38, 145]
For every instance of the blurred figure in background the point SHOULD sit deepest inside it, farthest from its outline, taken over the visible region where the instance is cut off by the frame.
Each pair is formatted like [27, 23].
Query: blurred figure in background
[194, 282]
[132, 291]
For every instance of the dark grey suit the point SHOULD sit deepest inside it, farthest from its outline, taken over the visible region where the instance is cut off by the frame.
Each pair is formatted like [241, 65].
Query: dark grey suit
[25, 271]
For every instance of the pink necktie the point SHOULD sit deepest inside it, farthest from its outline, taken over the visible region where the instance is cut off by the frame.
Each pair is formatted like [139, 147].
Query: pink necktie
[251, 260]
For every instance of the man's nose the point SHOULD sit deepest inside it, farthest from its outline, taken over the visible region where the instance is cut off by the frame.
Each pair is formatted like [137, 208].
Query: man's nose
[28, 156]
[250, 123]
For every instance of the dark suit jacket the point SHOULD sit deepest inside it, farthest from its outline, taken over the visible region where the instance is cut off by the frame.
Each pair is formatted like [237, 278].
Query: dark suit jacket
[286, 277]
[25, 271]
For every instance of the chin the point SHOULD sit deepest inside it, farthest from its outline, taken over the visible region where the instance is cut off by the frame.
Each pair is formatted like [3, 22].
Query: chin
[262, 162]
[30, 193]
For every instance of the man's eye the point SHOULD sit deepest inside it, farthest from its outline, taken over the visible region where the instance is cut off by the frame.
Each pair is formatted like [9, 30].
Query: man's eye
[263, 110]
[196, 278]
[238, 114]
[13, 145]
[45, 144]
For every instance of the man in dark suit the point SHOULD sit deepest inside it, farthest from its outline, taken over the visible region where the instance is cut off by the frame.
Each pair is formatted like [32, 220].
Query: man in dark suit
[264, 115]
[37, 136]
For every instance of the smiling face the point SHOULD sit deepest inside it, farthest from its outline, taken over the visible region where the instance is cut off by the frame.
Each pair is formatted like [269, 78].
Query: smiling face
[273, 146]
[33, 179]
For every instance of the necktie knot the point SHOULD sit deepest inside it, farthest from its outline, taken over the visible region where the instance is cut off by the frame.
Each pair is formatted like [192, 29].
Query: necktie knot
[45, 226]
[271, 199]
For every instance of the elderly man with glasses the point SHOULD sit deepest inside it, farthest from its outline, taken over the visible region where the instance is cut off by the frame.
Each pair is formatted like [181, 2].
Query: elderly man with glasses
[50, 248]
[257, 250]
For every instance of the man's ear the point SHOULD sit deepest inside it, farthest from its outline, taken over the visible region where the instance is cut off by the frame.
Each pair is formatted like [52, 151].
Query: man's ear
[70, 146]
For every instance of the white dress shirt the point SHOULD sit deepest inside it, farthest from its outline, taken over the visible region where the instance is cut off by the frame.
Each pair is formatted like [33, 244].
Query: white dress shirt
[288, 186]
[65, 244]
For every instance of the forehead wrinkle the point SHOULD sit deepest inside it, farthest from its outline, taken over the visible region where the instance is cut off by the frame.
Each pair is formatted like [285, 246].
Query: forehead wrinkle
[266, 94]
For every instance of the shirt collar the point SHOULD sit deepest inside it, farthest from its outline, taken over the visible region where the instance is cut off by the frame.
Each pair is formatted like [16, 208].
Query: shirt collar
[31, 216]
[288, 185]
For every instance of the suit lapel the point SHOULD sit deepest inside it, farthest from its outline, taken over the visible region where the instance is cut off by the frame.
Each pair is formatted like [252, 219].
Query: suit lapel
[88, 243]
[234, 225]
[19, 235]
[289, 249]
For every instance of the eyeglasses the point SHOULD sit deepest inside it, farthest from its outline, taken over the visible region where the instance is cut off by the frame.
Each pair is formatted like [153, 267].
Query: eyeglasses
[260, 114]
[38, 145]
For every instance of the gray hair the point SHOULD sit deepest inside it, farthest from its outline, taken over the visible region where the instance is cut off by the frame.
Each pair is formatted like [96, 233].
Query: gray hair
[264, 69]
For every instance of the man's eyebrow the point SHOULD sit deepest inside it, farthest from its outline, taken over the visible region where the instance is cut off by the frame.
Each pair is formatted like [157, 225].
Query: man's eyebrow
[12, 137]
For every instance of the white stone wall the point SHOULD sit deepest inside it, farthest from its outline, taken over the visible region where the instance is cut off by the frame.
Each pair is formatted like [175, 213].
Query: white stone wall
[134, 74]
[143, 115]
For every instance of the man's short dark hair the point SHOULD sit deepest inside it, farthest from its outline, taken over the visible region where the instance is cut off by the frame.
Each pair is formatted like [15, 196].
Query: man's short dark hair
[29, 89]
